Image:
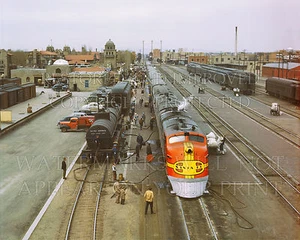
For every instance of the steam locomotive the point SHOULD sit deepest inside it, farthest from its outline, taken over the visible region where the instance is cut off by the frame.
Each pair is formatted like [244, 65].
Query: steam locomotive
[184, 145]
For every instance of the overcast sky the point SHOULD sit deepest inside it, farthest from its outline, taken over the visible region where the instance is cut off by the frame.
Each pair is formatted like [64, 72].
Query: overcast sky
[194, 25]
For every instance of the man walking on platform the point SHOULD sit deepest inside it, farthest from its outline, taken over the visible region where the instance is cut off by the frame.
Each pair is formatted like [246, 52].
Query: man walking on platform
[114, 171]
[140, 140]
[149, 153]
[141, 122]
[117, 191]
[64, 167]
[137, 151]
[149, 200]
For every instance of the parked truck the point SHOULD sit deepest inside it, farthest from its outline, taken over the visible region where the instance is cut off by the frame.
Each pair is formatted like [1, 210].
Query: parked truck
[77, 123]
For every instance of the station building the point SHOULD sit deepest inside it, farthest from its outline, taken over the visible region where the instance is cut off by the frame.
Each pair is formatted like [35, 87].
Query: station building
[110, 55]
[79, 71]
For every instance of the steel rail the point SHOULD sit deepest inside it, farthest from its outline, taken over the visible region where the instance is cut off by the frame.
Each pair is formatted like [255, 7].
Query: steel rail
[74, 205]
[98, 199]
[208, 219]
[184, 220]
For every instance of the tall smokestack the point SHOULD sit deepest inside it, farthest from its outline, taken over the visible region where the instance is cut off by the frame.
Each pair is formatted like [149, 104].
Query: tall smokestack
[143, 52]
[151, 45]
[235, 45]
[160, 50]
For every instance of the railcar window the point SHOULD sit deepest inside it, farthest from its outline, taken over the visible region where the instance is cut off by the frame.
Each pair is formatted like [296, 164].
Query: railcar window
[196, 138]
[175, 139]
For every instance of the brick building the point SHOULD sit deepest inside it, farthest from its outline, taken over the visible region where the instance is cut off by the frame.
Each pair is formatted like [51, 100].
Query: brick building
[198, 59]
[288, 70]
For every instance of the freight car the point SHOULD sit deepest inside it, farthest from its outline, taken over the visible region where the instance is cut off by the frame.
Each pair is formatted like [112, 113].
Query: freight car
[184, 145]
[101, 136]
[104, 134]
[283, 88]
[231, 78]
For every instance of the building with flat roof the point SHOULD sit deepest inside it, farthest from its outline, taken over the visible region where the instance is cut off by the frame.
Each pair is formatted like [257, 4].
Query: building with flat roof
[289, 70]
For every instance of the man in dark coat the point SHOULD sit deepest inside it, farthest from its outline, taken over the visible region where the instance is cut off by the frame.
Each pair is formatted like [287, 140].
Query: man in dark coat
[141, 122]
[149, 151]
[137, 151]
[222, 145]
[140, 140]
[64, 167]
[152, 120]
[149, 157]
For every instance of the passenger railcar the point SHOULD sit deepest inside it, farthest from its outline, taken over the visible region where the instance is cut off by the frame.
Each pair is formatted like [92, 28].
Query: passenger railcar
[231, 78]
[183, 143]
[121, 94]
[283, 88]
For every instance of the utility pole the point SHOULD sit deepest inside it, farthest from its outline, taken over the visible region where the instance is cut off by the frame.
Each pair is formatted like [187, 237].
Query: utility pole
[278, 62]
[235, 45]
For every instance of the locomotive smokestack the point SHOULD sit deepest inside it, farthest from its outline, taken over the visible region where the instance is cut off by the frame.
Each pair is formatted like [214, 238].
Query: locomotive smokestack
[235, 45]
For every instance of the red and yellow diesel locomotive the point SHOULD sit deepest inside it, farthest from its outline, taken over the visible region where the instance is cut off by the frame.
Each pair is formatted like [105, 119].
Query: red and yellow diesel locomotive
[183, 143]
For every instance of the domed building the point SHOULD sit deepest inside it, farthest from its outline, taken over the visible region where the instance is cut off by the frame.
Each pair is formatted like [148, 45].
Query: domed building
[58, 70]
[61, 62]
[110, 55]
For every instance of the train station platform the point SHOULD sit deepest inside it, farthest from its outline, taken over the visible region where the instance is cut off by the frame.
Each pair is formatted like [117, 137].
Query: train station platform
[18, 114]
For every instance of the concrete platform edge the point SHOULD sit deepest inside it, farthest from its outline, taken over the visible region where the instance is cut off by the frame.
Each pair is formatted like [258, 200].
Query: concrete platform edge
[50, 199]
[31, 116]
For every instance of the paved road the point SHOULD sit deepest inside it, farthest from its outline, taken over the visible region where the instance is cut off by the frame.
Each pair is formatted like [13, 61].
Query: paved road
[30, 161]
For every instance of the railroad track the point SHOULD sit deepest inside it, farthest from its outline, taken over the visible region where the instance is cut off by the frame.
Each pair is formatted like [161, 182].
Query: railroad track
[263, 166]
[263, 97]
[82, 222]
[196, 216]
[288, 135]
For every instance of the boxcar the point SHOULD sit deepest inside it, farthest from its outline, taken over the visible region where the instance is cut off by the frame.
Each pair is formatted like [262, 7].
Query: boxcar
[3, 100]
[283, 88]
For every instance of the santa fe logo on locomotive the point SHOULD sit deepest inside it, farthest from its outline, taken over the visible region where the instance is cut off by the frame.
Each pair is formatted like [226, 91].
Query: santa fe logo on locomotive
[189, 167]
